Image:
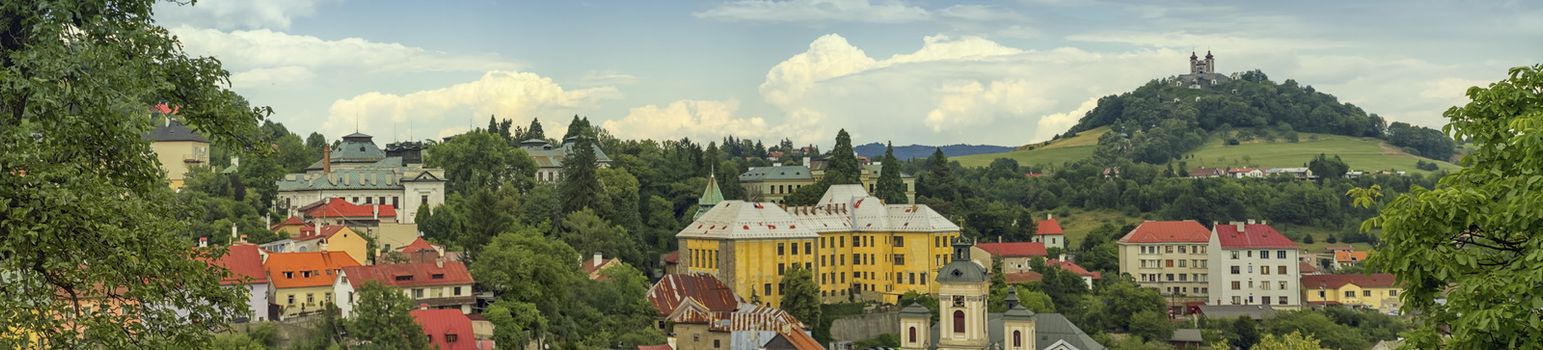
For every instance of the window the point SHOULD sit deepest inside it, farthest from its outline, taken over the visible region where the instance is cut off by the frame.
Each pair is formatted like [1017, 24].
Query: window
[457, 291]
[291, 299]
[958, 321]
[310, 298]
[1249, 253]
[1265, 270]
[394, 201]
[1280, 254]
[1168, 249]
[842, 242]
[1170, 277]
[1182, 262]
[1366, 293]
[912, 335]
[766, 289]
[1234, 255]
[857, 259]
[1349, 294]
[1264, 254]
[857, 241]
[423, 200]
[1283, 301]
[1235, 269]
[780, 248]
[899, 277]
[808, 247]
[795, 248]
[1280, 270]
[716, 344]
[899, 242]
[899, 259]
[1237, 285]
[781, 268]
[1017, 338]
[1282, 285]
[1392, 293]
[418, 293]
[1182, 249]
[1168, 262]
[1322, 294]
[1265, 300]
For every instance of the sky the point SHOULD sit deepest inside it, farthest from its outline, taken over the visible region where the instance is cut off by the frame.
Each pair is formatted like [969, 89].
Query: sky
[911, 72]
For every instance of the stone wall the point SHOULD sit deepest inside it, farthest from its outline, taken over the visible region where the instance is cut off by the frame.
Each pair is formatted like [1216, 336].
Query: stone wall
[865, 326]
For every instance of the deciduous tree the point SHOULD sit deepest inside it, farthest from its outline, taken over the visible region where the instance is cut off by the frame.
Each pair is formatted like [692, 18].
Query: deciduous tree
[800, 296]
[381, 320]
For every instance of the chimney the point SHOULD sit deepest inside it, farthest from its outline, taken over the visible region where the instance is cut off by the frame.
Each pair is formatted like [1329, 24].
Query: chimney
[376, 208]
[326, 160]
[1250, 221]
[203, 242]
[598, 259]
[1049, 216]
[1239, 224]
[322, 246]
[233, 234]
[243, 239]
[439, 262]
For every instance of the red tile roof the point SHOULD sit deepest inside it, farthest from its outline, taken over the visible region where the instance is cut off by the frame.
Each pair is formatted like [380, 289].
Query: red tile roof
[245, 264]
[1023, 277]
[441, 324]
[801, 340]
[1306, 268]
[410, 275]
[1014, 249]
[1378, 280]
[339, 208]
[322, 266]
[1252, 236]
[670, 292]
[593, 270]
[291, 221]
[672, 257]
[1072, 267]
[1049, 227]
[418, 245]
[1187, 231]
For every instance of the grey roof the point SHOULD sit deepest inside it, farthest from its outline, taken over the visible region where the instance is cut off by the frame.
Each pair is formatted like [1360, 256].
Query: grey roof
[1018, 313]
[1188, 335]
[549, 156]
[785, 172]
[1049, 329]
[1257, 312]
[357, 148]
[916, 310]
[962, 271]
[174, 131]
[386, 174]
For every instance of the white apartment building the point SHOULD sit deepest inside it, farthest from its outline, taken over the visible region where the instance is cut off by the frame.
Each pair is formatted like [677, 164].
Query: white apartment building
[1253, 264]
[1170, 256]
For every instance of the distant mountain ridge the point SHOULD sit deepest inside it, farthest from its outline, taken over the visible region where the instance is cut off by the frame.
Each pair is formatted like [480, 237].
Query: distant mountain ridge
[875, 150]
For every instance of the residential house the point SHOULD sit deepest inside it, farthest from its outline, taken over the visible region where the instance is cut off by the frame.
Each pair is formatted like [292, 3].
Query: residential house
[549, 158]
[333, 238]
[774, 183]
[178, 148]
[1374, 291]
[1253, 264]
[290, 227]
[593, 266]
[390, 237]
[1087, 276]
[1015, 255]
[1348, 258]
[439, 285]
[1298, 172]
[1203, 172]
[359, 172]
[446, 329]
[1170, 256]
[421, 251]
[244, 262]
[1050, 233]
[1244, 172]
[302, 281]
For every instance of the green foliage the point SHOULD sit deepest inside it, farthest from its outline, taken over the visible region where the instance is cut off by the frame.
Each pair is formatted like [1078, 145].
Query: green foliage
[83, 206]
[381, 320]
[938, 181]
[1136, 343]
[1244, 333]
[1120, 302]
[580, 186]
[515, 322]
[800, 296]
[589, 234]
[1320, 326]
[841, 169]
[1152, 325]
[480, 160]
[890, 187]
[1293, 341]
[533, 131]
[1329, 168]
[1426, 142]
[236, 341]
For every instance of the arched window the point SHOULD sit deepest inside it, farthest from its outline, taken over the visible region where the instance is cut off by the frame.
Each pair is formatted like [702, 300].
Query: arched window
[1017, 338]
[913, 335]
[958, 321]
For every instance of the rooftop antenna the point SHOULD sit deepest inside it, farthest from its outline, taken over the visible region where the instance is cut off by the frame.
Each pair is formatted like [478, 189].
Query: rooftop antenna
[356, 121]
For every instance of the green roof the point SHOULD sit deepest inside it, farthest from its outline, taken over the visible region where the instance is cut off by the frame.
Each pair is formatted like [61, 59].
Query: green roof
[712, 195]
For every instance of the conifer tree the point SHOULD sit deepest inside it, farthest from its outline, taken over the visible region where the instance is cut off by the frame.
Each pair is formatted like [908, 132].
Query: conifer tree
[891, 189]
[534, 131]
[581, 184]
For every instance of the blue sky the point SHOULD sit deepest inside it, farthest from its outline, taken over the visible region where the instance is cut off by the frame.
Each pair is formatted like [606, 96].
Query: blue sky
[928, 72]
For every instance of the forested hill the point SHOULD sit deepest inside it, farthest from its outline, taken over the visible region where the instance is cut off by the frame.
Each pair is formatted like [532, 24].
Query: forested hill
[1167, 118]
[876, 150]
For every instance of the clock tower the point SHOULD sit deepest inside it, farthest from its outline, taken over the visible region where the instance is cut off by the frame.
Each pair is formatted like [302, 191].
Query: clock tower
[962, 292]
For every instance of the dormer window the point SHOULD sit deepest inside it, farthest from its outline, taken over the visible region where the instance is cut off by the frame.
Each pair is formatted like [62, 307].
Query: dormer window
[289, 274]
[438, 276]
[404, 277]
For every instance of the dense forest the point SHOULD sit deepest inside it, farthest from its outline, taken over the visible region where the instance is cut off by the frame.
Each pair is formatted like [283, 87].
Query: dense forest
[1164, 119]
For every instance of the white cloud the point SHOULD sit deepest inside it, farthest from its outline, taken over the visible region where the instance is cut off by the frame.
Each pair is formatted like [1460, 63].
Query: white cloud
[697, 119]
[964, 89]
[876, 11]
[271, 76]
[979, 13]
[606, 78]
[258, 49]
[1051, 124]
[1451, 88]
[516, 95]
[237, 14]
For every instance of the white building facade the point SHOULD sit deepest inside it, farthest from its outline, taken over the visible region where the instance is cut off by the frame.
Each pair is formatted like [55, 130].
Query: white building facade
[1253, 264]
[361, 173]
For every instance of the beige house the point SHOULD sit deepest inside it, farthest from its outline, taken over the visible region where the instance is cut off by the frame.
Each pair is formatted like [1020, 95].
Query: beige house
[178, 149]
[774, 183]
[1169, 256]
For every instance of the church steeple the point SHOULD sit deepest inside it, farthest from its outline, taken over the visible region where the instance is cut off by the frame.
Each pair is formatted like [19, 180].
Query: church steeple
[710, 197]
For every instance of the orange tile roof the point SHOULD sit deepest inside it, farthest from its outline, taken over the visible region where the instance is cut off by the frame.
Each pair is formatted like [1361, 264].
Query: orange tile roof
[1343, 256]
[410, 275]
[322, 266]
[245, 264]
[1049, 227]
[1187, 231]
[1072, 267]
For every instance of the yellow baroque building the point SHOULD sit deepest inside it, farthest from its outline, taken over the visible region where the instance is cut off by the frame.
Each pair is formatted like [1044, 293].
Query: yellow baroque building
[858, 247]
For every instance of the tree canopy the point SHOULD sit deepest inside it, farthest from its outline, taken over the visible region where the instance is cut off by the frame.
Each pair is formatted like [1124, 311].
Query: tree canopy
[381, 320]
[86, 214]
[1473, 239]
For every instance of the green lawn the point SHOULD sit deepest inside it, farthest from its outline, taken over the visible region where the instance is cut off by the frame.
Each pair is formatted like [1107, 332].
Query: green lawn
[1080, 222]
[1361, 153]
[1044, 153]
